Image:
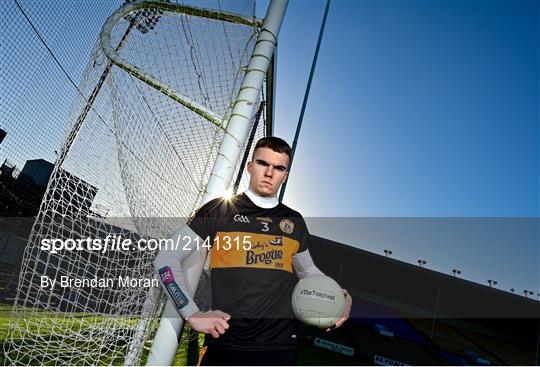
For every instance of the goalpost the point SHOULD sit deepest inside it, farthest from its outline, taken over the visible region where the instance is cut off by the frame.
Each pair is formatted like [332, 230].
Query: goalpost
[165, 342]
[142, 140]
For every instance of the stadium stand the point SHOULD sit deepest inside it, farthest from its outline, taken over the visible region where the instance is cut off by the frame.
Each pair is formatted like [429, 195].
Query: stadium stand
[397, 320]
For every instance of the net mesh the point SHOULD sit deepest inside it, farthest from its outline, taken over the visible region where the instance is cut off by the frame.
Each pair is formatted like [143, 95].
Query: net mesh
[133, 164]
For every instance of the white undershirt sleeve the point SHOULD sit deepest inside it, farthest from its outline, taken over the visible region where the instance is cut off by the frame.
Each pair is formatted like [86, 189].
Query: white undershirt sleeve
[168, 266]
[303, 265]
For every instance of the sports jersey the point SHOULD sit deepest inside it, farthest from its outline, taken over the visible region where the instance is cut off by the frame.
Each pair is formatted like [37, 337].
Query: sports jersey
[251, 266]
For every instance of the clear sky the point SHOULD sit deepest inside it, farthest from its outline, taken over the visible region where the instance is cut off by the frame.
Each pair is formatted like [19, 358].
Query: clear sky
[425, 109]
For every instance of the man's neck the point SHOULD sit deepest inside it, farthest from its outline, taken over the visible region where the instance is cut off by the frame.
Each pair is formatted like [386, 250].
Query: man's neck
[265, 202]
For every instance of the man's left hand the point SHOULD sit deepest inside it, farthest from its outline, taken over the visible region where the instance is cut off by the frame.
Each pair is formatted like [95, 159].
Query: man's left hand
[346, 311]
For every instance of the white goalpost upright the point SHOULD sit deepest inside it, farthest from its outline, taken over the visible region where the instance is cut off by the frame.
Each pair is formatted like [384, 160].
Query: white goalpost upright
[165, 342]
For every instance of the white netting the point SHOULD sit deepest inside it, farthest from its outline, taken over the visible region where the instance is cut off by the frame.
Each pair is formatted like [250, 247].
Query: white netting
[134, 164]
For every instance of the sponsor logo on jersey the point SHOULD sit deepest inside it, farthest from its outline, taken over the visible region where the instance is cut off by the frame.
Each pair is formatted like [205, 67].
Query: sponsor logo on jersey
[264, 257]
[266, 252]
[278, 241]
[178, 297]
[241, 218]
[286, 226]
[264, 219]
[166, 275]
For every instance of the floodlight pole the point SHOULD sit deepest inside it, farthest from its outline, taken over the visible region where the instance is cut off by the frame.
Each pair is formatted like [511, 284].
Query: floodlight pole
[165, 342]
[306, 97]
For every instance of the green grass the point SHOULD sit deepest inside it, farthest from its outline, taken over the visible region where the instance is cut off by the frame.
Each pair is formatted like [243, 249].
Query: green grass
[84, 323]
[46, 326]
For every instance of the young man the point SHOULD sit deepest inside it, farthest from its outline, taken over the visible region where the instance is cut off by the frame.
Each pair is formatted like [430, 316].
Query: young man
[257, 246]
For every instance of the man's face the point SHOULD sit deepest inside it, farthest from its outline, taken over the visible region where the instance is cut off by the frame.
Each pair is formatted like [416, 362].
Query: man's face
[268, 170]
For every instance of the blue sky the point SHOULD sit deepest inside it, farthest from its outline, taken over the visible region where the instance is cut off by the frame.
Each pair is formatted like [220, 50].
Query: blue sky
[419, 109]
[423, 120]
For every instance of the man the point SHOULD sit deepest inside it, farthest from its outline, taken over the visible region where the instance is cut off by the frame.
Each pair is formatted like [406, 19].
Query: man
[257, 246]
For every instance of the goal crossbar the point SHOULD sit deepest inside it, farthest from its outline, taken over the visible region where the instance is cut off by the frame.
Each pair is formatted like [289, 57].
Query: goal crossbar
[114, 57]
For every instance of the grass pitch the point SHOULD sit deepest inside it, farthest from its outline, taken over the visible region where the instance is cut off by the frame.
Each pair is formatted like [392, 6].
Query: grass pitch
[29, 352]
[23, 344]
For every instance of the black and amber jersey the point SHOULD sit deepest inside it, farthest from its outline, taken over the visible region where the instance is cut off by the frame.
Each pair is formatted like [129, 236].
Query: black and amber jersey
[252, 276]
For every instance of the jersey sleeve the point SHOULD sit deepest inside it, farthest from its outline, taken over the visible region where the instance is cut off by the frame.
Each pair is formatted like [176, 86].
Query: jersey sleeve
[304, 266]
[168, 263]
[203, 222]
[302, 262]
[168, 266]
[304, 235]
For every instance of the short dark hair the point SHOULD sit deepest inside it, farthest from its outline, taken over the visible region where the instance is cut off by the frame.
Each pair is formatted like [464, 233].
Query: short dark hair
[276, 144]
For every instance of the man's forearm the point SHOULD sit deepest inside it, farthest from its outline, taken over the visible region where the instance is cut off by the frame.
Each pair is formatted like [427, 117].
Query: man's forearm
[168, 265]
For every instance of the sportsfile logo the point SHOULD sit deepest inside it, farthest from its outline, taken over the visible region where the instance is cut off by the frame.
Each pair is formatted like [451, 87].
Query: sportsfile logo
[241, 218]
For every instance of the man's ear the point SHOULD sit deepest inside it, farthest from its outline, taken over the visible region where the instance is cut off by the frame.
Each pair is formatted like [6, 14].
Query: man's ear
[250, 163]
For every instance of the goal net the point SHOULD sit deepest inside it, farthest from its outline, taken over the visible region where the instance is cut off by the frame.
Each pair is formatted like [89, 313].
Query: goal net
[141, 137]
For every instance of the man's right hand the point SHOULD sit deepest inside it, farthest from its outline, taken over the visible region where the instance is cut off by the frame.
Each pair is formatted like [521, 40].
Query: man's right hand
[211, 322]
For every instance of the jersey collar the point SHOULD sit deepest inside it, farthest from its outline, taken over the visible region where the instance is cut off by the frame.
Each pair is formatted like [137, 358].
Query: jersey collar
[262, 201]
